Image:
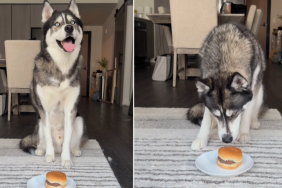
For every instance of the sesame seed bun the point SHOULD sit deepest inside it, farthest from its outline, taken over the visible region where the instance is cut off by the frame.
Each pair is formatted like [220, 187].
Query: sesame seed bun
[230, 155]
[56, 177]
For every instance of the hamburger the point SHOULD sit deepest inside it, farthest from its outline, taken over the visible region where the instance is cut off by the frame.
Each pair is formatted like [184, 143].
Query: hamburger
[229, 158]
[56, 180]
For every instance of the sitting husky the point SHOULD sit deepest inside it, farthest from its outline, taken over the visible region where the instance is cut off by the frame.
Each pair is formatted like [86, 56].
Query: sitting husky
[55, 87]
[230, 87]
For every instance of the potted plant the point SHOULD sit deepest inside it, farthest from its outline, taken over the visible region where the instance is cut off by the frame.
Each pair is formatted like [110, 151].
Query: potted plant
[103, 62]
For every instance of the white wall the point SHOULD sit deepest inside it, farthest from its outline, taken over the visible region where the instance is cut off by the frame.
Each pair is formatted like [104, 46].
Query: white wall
[143, 3]
[128, 61]
[96, 47]
[120, 2]
[108, 39]
[274, 21]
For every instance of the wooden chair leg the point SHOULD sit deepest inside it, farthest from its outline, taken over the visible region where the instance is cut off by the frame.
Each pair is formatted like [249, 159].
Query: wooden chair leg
[9, 104]
[185, 66]
[181, 66]
[174, 68]
[15, 103]
[19, 102]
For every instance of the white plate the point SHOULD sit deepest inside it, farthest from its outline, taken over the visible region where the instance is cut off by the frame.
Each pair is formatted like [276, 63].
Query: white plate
[207, 164]
[39, 182]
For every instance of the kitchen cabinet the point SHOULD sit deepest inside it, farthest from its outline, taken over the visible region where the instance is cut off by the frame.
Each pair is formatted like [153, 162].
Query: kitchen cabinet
[36, 15]
[21, 22]
[5, 25]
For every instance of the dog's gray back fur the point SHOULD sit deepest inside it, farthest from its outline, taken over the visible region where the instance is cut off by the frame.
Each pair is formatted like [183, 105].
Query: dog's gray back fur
[229, 48]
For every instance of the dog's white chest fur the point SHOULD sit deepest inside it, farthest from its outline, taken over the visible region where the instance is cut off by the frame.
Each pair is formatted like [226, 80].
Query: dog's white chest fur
[63, 85]
[55, 100]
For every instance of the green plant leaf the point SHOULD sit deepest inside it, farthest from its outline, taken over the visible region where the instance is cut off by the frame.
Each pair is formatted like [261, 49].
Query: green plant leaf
[103, 62]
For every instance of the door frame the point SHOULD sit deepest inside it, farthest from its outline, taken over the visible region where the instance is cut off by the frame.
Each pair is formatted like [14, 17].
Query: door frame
[268, 28]
[89, 33]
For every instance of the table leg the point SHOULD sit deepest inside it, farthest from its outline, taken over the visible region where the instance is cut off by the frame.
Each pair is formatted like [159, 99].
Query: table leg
[9, 105]
[174, 68]
[15, 102]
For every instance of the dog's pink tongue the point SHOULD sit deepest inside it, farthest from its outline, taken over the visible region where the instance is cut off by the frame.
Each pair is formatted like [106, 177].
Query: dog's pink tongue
[68, 45]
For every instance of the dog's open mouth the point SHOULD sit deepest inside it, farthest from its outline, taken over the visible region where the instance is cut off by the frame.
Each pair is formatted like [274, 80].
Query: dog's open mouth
[67, 44]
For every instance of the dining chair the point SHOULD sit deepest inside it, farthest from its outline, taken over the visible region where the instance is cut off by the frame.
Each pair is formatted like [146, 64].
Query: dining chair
[20, 55]
[257, 22]
[254, 19]
[191, 22]
[168, 36]
[251, 16]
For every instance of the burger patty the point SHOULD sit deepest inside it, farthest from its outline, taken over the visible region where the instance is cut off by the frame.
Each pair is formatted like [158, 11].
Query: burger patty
[52, 184]
[225, 162]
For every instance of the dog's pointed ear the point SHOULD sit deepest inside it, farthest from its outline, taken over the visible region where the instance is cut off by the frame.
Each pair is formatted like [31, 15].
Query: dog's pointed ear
[73, 8]
[47, 11]
[204, 85]
[238, 82]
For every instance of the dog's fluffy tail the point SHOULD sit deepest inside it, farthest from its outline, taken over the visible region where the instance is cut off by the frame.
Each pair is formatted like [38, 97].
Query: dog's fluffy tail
[196, 113]
[29, 143]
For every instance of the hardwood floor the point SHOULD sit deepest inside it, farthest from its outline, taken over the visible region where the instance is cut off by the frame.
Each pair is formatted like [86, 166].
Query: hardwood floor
[149, 93]
[109, 124]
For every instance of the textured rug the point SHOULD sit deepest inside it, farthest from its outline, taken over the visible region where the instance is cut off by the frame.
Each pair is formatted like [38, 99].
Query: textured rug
[91, 169]
[163, 158]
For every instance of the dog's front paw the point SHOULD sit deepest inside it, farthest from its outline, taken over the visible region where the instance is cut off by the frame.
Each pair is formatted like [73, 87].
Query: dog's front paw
[39, 151]
[244, 138]
[49, 158]
[67, 163]
[255, 124]
[199, 143]
[76, 152]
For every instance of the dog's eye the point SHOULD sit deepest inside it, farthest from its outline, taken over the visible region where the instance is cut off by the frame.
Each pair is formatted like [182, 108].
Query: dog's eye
[57, 24]
[72, 22]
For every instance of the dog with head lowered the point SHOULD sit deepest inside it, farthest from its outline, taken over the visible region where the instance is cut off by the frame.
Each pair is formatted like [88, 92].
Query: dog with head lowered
[55, 87]
[230, 87]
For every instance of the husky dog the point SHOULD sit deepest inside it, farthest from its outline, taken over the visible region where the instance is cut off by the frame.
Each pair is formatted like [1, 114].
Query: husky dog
[230, 87]
[55, 87]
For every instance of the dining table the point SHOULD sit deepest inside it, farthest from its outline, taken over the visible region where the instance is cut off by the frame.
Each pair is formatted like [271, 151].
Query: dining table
[165, 19]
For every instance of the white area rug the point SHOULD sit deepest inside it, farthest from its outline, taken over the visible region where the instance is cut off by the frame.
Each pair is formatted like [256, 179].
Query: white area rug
[163, 157]
[91, 169]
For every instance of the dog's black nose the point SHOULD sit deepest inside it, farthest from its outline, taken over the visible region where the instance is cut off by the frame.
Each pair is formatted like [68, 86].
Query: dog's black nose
[69, 28]
[227, 138]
